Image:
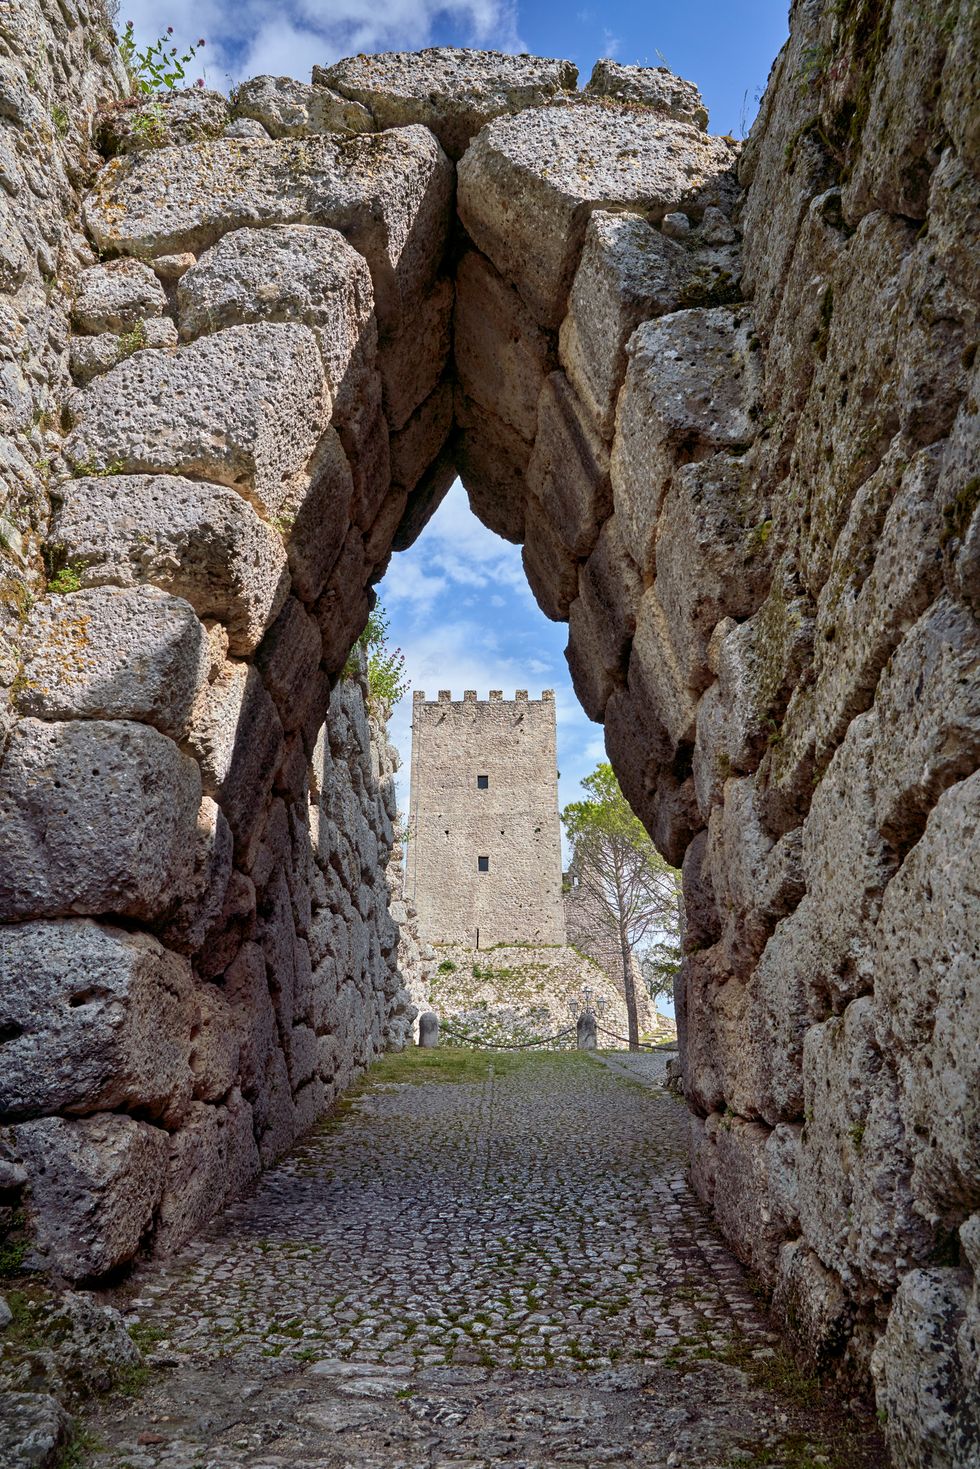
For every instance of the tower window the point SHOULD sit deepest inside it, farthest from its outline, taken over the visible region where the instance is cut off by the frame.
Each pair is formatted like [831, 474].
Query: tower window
[483, 782]
[483, 864]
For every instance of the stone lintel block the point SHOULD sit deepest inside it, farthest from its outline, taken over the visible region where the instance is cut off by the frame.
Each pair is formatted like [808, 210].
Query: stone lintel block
[451, 90]
[114, 654]
[492, 461]
[502, 356]
[98, 817]
[196, 540]
[244, 407]
[95, 1019]
[568, 471]
[95, 1185]
[388, 193]
[528, 185]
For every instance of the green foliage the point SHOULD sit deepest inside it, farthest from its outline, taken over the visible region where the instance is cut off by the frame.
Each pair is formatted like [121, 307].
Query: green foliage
[132, 341]
[386, 678]
[447, 967]
[158, 67]
[61, 121]
[66, 580]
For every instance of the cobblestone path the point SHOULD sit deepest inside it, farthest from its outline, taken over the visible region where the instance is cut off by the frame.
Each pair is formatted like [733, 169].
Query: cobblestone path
[505, 1270]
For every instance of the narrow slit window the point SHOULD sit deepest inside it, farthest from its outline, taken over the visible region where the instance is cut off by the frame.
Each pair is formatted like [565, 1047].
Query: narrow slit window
[483, 864]
[483, 782]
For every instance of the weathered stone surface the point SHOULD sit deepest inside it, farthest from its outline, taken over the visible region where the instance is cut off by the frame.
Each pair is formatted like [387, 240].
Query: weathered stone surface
[204, 893]
[691, 387]
[388, 192]
[602, 620]
[173, 119]
[926, 1374]
[812, 1303]
[98, 817]
[711, 557]
[856, 1205]
[288, 273]
[451, 90]
[501, 355]
[551, 569]
[529, 183]
[117, 296]
[199, 541]
[244, 407]
[290, 109]
[315, 530]
[412, 362]
[95, 1184]
[236, 736]
[568, 471]
[36, 1428]
[654, 86]
[199, 1174]
[742, 1196]
[931, 692]
[418, 445]
[926, 1003]
[492, 460]
[94, 1020]
[107, 654]
[91, 1347]
[628, 273]
[89, 357]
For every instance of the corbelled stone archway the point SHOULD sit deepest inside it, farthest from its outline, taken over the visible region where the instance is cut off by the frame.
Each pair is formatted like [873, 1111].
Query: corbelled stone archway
[725, 397]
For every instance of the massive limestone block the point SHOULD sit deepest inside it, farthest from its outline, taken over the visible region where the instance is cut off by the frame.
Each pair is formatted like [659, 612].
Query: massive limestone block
[203, 898]
[317, 526]
[94, 1019]
[711, 557]
[412, 362]
[288, 273]
[930, 690]
[550, 568]
[199, 541]
[895, 524]
[287, 659]
[602, 620]
[98, 816]
[743, 1196]
[416, 446]
[117, 296]
[657, 675]
[856, 1207]
[89, 357]
[812, 1305]
[654, 86]
[212, 1157]
[753, 880]
[492, 460]
[244, 407]
[568, 470]
[175, 118]
[502, 356]
[95, 1183]
[529, 183]
[287, 108]
[691, 390]
[928, 1009]
[108, 654]
[629, 272]
[452, 90]
[926, 1371]
[236, 736]
[388, 193]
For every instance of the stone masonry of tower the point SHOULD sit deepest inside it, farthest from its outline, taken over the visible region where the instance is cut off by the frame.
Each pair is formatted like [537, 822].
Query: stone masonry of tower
[484, 850]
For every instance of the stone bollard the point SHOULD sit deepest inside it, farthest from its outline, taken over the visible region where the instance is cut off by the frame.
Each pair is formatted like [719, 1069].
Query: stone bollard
[585, 1033]
[429, 1029]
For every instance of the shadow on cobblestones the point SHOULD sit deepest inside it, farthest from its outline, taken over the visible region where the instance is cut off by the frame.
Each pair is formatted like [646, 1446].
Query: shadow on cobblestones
[507, 1268]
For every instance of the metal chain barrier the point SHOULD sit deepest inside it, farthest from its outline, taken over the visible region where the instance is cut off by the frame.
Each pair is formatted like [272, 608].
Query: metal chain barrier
[505, 1045]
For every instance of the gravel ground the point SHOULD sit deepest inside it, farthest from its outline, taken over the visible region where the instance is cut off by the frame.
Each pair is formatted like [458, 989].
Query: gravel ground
[507, 1270]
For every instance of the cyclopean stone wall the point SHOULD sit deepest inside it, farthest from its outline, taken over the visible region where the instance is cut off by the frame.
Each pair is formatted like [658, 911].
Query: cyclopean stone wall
[726, 398]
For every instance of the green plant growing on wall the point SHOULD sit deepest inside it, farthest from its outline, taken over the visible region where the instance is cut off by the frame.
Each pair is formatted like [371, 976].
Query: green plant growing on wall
[386, 678]
[157, 68]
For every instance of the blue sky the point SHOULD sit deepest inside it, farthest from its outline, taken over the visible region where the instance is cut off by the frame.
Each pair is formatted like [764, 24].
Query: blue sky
[725, 46]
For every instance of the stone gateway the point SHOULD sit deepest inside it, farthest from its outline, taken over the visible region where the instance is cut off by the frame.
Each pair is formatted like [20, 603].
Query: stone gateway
[484, 840]
[725, 396]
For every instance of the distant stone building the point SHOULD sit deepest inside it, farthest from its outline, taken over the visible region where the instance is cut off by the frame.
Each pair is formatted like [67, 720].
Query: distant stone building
[484, 840]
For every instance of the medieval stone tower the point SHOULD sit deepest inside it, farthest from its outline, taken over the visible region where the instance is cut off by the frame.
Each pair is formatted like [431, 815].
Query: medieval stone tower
[484, 851]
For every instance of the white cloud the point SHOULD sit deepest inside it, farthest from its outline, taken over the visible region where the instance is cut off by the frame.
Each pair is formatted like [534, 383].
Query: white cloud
[610, 43]
[244, 39]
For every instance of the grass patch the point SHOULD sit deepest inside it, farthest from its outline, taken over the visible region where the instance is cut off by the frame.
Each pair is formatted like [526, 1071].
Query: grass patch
[417, 1064]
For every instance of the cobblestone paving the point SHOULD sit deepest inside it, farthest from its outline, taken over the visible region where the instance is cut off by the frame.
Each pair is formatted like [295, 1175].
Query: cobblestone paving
[506, 1270]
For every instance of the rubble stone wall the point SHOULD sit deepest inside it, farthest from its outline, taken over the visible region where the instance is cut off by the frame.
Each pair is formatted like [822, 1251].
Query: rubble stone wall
[726, 399]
